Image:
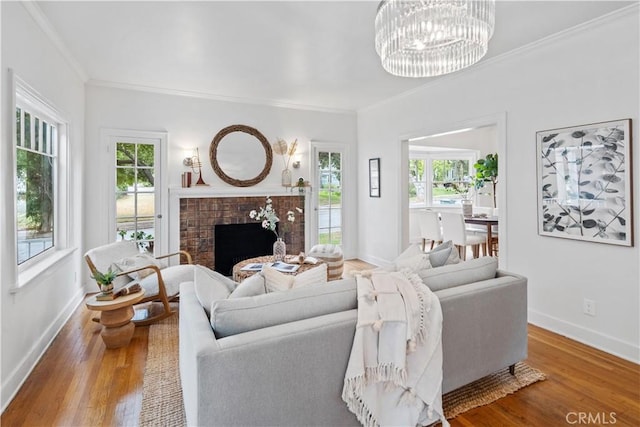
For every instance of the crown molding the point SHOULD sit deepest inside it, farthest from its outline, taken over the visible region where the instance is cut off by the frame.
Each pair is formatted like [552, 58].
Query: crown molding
[41, 20]
[537, 44]
[215, 97]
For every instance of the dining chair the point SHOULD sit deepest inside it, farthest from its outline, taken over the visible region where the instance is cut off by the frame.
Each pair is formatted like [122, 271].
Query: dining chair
[430, 228]
[453, 228]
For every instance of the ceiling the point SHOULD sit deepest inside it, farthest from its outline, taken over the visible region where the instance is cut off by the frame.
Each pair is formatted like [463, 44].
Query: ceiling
[304, 54]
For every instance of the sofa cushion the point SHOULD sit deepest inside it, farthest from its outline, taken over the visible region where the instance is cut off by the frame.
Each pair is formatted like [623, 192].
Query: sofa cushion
[249, 287]
[208, 287]
[234, 316]
[277, 281]
[448, 276]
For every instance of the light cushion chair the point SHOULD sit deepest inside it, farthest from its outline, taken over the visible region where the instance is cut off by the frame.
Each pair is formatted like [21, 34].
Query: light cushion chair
[332, 255]
[430, 228]
[160, 282]
[453, 228]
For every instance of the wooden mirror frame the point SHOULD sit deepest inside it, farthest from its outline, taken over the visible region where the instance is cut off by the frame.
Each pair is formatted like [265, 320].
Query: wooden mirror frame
[213, 155]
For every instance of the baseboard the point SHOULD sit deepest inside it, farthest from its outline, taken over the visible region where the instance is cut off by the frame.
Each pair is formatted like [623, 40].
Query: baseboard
[606, 343]
[375, 260]
[19, 375]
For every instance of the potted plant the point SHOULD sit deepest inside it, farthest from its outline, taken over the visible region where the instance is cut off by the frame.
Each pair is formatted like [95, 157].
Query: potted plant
[487, 171]
[105, 280]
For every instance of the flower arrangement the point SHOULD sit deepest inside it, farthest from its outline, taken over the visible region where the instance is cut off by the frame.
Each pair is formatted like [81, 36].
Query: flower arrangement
[282, 148]
[267, 215]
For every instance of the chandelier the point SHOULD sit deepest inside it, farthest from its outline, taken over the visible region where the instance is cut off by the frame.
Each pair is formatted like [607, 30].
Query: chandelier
[432, 37]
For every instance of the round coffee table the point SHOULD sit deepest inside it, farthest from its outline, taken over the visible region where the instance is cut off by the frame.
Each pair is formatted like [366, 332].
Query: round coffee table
[239, 275]
[117, 328]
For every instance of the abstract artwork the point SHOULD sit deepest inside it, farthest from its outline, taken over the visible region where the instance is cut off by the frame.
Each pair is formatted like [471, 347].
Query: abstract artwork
[584, 182]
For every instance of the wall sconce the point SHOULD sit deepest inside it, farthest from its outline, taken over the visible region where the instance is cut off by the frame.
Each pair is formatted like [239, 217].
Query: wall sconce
[188, 158]
[296, 162]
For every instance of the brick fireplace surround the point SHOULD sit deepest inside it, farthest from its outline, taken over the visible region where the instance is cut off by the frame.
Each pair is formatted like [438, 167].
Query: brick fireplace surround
[199, 216]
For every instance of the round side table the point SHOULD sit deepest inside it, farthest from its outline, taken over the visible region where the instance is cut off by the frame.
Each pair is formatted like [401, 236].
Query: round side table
[117, 328]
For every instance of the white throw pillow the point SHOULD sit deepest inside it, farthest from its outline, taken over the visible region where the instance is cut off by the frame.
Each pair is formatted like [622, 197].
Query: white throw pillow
[137, 261]
[249, 287]
[444, 254]
[414, 263]
[276, 281]
[208, 287]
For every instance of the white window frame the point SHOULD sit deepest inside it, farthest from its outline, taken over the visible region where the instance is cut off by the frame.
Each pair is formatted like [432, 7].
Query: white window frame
[470, 155]
[27, 98]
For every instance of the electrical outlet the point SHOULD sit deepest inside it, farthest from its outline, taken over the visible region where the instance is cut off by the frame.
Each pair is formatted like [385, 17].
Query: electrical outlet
[589, 307]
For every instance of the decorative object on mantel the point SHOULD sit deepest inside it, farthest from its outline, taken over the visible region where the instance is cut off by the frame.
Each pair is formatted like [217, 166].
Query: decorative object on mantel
[214, 156]
[270, 220]
[282, 148]
[584, 182]
[426, 39]
[194, 163]
[487, 171]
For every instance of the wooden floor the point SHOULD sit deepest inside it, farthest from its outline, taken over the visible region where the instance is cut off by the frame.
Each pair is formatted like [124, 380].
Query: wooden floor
[80, 383]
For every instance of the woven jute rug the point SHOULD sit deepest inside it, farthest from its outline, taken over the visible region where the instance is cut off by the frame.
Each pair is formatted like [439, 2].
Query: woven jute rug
[161, 391]
[162, 395]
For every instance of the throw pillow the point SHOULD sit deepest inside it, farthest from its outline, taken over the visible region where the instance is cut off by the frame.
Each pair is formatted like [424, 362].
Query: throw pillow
[249, 287]
[138, 261]
[411, 252]
[415, 263]
[208, 287]
[277, 281]
[444, 254]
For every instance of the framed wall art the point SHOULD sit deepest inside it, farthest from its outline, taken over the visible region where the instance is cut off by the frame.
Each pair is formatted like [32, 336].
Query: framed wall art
[374, 177]
[584, 182]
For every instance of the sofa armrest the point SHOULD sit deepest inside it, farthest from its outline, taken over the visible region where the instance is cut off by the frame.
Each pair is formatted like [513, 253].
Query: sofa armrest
[484, 322]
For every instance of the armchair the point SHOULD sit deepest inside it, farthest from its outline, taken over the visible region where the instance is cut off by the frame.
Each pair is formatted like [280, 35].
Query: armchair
[161, 283]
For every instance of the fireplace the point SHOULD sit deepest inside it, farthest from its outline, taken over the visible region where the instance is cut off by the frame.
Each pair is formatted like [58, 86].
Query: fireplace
[199, 217]
[236, 242]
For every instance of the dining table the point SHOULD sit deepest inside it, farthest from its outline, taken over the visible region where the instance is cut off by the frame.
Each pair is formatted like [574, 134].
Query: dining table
[489, 222]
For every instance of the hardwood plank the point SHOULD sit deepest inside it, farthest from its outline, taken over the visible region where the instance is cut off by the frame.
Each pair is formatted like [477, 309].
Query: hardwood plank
[79, 382]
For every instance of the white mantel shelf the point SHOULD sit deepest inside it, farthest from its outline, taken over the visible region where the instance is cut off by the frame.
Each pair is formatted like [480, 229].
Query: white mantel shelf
[209, 191]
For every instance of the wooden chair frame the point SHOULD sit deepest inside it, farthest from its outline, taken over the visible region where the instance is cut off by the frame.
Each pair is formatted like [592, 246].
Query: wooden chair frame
[161, 296]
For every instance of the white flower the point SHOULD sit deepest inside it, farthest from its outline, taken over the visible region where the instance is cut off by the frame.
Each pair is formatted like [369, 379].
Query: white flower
[253, 214]
[265, 224]
[299, 210]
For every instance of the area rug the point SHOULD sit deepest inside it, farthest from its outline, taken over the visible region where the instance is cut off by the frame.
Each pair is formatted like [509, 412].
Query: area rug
[161, 391]
[162, 395]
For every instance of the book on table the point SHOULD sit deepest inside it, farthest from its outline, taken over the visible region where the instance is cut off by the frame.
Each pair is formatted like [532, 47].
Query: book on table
[278, 265]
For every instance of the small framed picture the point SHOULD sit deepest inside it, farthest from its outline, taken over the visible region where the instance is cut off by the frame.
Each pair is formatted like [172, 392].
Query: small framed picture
[584, 183]
[374, 177]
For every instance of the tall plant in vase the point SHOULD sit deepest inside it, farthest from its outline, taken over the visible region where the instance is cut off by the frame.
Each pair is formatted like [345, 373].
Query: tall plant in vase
[487, 171]
[287, 151]
[267, 215]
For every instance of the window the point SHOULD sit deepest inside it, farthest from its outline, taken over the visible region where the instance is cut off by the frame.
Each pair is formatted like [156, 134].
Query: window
[440, 178]
[39, 132]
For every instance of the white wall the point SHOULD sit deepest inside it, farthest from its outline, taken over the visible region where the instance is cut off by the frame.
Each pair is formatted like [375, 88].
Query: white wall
[193, 122]
[33, 314]
[587, 75]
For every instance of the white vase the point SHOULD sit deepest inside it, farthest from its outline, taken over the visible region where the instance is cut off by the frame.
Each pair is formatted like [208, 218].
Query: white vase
[286, 178]
[279, 250]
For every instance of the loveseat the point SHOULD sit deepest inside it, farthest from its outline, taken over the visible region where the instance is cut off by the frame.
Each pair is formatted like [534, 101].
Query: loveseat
[279, 358]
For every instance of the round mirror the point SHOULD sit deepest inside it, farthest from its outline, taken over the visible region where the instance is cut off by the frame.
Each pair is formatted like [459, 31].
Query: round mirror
[237, 158]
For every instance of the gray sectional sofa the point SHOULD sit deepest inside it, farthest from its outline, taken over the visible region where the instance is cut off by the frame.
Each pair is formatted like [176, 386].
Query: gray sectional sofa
[279, 359]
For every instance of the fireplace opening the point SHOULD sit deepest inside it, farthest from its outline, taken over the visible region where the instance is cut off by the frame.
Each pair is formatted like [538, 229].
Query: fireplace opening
[236, 242]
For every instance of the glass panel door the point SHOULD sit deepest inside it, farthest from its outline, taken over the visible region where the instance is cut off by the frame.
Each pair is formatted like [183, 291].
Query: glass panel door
[135, 193]
[329, 197]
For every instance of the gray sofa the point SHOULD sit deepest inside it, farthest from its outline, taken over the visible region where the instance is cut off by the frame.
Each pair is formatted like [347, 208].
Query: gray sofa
[292, 373]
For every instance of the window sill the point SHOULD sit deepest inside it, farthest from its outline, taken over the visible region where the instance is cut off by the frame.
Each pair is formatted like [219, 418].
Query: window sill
[40, 269]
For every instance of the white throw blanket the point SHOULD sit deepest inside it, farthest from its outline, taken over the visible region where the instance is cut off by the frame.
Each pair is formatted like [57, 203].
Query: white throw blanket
[394, 376]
